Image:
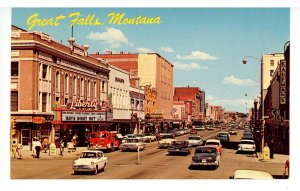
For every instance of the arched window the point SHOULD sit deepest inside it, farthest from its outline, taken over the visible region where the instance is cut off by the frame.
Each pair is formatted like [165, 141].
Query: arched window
[57, 82]
[82, 87]
[74, 85]
[66, 83]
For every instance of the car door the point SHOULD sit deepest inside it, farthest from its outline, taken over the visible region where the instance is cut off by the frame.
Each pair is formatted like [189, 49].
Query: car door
[100, 160]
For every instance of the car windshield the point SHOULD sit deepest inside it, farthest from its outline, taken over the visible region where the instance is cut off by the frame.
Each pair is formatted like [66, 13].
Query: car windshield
[205, 150]
[166, 136]
[211, 143]
[194, 138]
[88, 155]
[247, 142]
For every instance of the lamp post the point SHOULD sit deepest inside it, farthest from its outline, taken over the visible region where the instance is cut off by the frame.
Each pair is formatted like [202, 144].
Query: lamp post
[262, 101]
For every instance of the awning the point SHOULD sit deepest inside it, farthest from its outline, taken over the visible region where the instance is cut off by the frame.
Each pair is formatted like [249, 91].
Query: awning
[136, 95]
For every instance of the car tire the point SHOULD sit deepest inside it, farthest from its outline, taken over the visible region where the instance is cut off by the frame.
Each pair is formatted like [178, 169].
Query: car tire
[96, 170]
[104, 167]
[75, 172]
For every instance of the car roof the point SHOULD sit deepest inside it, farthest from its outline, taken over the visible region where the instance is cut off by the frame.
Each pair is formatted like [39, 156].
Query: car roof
[91, 151]
[213, 140]
[247, 140]
[251, 174]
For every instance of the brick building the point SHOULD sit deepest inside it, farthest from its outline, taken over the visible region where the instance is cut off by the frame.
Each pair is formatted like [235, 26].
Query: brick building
[56, 90]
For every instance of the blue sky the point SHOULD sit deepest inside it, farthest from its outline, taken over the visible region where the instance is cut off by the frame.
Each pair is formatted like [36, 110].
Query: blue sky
[206, 45]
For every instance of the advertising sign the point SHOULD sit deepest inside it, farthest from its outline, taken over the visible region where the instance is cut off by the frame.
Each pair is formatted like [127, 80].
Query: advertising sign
[68, 116]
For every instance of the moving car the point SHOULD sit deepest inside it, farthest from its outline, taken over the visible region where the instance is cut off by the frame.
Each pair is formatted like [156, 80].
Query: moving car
[233, 131]
[179, 147]
[246, 145]
[216, 143]
[223, 136]
[104, 140]
[251, 174]
[248, 137]
[206, 155]
[132, 144]
[193, 131]
[199, 128]
[90, 161]
[150, 136]
[166, 140]
[195, 140]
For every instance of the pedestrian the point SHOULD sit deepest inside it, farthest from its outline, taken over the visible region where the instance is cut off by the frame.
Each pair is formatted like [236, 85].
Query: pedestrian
[19, 150]
[74, 140]
[61, 147]
[286, 171]
[38, 146]
[271, 147]
[33, 147]
[45, 144]
[14, 149]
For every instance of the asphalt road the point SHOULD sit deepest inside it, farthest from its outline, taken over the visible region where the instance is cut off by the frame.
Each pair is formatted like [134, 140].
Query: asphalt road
[155, 164]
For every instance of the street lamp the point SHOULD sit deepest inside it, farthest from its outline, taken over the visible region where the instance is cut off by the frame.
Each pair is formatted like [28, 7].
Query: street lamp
[262, 101]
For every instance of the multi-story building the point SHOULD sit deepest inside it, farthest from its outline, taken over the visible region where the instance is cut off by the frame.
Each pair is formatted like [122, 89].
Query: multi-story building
[192, 96]
[217, 113]
[120, 94]
[137, 97]
[148, 69]
[276, 105]
[269, 63]
[56, 90]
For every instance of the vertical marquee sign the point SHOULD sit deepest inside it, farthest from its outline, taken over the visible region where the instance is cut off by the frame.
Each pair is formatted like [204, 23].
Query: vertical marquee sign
[282, 82]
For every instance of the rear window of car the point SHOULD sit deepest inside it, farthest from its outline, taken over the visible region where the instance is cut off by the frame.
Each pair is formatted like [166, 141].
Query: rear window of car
[247, 142]
[205, 150]
[222, 135]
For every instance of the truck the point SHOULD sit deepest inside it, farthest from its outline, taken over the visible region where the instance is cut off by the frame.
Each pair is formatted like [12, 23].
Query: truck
[104, 140]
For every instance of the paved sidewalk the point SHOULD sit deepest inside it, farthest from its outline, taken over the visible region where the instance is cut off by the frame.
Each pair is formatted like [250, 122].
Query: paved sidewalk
[278, 158]
[27, 154]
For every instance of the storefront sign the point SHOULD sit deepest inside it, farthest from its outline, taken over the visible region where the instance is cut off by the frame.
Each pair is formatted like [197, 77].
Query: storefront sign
[109, 116]
[120, 80]
[80, 104]
[133, 74]
[38, 120]
[52, 149]
[282, 82]
[68, 116]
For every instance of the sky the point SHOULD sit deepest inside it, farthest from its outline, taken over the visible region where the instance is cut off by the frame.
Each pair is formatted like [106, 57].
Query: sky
[205, 45]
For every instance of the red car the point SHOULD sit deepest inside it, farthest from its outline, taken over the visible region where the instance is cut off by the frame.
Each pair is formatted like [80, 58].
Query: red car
[104, 140]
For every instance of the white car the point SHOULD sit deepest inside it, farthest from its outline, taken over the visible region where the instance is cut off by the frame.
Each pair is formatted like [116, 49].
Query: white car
[166, 140]
[195, 140]
[150, 136]
[216, 143]
[246, 145]
[132, 144]
[251, 174]
[90, 161]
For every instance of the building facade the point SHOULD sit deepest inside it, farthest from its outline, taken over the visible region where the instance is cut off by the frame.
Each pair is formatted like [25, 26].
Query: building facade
[120, 95]
[148, 69]
[192, 97]
[56, 90]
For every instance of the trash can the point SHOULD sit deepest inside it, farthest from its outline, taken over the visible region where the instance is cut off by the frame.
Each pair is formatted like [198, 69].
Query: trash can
[266, 153]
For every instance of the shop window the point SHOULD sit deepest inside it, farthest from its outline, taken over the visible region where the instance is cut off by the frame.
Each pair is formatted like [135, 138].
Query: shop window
[14, 69]
[14, 101]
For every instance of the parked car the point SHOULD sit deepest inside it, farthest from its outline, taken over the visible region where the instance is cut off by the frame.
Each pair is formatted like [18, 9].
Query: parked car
[166, 140]
[223, 136]
[90, 161]
[199, 128]
[216, 143]
[195, 140]
[251, 174]
[210, 128]
[150, 136]
[104, 140]
[143, 138]
[132, 144]
[246, 145]
[206, 155]
[179, 147]
[233, 131]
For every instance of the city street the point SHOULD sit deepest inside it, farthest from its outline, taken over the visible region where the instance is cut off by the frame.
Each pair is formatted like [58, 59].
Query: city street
[155, 164]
